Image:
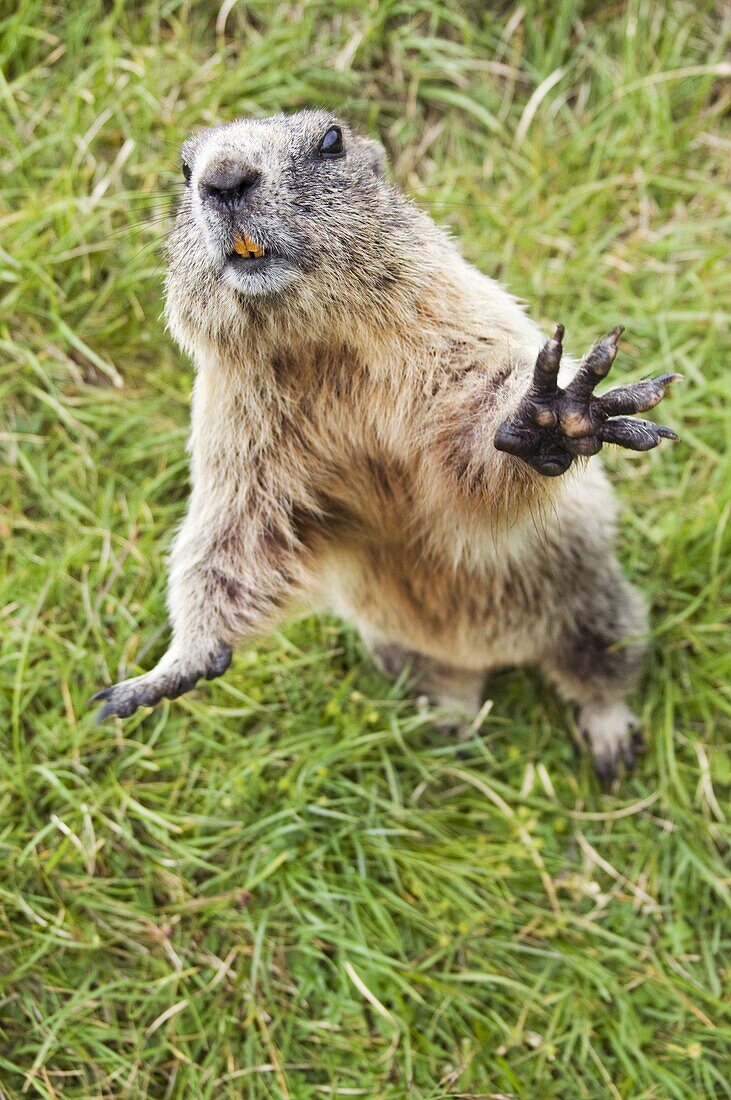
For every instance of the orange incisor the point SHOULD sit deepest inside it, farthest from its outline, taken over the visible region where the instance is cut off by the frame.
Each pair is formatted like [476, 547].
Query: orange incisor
[245, 246]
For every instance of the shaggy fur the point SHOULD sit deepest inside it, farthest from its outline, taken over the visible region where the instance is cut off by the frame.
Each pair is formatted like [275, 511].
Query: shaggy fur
[346, 403]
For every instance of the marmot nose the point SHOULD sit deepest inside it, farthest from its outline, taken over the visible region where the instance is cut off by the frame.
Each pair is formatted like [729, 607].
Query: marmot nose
[228, 186]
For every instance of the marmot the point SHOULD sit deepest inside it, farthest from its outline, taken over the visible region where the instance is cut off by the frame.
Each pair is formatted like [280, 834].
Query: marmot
[378, 430]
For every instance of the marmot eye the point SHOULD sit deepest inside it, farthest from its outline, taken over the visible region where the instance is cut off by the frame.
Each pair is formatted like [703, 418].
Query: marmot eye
[187, 171]
[332, 143]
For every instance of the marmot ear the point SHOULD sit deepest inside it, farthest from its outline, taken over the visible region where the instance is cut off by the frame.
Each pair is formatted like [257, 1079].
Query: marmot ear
[376, 156]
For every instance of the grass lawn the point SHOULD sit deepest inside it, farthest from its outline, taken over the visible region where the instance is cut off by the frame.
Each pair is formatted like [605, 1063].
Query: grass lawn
[286, 884]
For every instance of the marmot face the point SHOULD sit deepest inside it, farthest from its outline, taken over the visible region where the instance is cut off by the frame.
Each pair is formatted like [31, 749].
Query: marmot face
[273, 203]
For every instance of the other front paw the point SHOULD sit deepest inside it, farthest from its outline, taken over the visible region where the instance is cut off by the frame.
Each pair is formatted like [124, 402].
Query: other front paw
[553, 426]
[168, 680]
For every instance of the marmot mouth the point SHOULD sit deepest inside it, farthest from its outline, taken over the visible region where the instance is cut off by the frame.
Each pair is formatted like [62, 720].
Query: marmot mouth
[254, 268]
[248, 248]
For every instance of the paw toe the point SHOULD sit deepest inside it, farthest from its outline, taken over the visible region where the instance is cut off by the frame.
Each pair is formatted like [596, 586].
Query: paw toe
[552, 465]
[515, 439]
[118, 708]
[121, 700]
[121, 705]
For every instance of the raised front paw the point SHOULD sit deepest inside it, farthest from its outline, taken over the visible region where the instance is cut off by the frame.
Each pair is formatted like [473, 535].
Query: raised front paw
[553, 426]
[168, 680]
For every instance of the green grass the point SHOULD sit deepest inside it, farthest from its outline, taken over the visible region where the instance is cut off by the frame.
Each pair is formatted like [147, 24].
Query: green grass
[286, 884]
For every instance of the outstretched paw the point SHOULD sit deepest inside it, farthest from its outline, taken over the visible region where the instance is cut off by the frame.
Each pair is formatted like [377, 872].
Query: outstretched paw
[553, 426]
[167, 681]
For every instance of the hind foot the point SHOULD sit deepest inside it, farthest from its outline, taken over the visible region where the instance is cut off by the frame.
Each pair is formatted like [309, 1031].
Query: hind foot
[553, 426]
[612, 732]
[455, 693]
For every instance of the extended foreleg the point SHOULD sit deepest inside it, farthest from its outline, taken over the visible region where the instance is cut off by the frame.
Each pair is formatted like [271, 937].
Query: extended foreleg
[225, 585]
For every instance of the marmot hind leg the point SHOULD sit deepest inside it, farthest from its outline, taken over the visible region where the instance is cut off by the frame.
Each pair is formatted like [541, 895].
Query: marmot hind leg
[456, 691]
[595, 661]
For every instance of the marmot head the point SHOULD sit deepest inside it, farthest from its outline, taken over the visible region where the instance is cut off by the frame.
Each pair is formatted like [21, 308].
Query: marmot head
[285, 214]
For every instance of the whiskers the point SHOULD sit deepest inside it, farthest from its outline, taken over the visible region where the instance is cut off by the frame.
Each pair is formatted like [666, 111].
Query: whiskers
[422, 198]
[147, 216]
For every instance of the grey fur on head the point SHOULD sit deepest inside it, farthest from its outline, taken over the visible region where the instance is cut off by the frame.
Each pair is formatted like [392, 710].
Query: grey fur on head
[338, 220]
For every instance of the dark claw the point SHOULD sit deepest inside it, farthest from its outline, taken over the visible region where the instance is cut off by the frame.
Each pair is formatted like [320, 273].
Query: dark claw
[666, 379]
[100, 695]
[122, 709]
